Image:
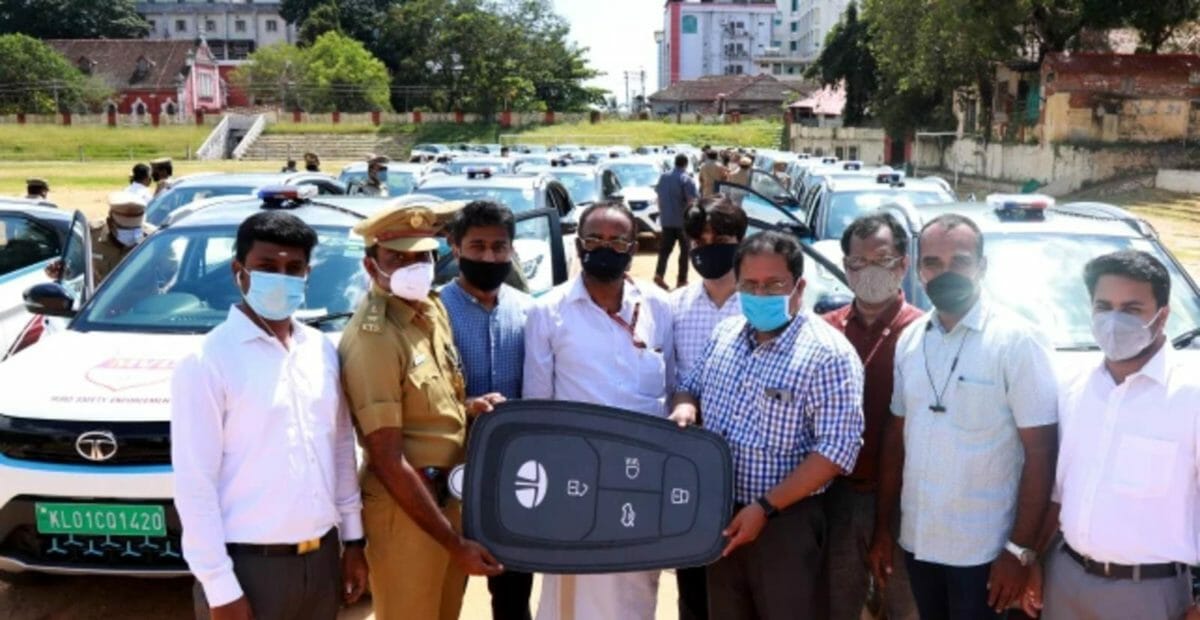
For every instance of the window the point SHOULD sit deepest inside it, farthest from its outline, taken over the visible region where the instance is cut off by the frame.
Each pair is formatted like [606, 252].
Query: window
[153, 25]
[795, 26]
[23, 243]
[210, 25]
[795, 5]
[839, 152]
[239, 25]
[689, 24]
[792, 46]
[180, 25]
[272, 25]
[852, 152]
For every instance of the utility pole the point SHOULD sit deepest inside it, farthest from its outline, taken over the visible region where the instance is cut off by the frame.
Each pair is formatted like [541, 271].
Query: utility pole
[627, 90]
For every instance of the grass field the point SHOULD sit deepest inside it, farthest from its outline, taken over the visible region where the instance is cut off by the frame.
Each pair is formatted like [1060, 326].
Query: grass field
[29, 143]
[755, 133]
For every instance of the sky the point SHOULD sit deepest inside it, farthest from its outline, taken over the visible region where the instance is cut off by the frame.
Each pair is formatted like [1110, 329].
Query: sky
[620, 38]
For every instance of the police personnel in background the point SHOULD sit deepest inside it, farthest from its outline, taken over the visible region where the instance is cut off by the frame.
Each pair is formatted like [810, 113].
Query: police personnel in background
[405, 387]
[114, 237]
[36, 189]
[139, 182]
[161, 172]
[312, 163]
[376, 184]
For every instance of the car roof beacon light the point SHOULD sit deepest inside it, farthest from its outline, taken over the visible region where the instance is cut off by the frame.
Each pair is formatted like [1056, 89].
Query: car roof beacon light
[1020, 206]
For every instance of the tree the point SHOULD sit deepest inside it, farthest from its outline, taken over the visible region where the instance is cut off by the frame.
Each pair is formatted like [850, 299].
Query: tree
[1157, 21]
[340, 74]
[72, 19]
[35, 79]
[324, 18]
[358, 19]
[847, 62]
[273, 75]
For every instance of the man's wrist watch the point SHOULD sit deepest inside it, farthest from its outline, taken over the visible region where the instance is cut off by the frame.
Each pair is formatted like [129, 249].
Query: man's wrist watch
[1025, 556]
[357, 542]
[769, 509]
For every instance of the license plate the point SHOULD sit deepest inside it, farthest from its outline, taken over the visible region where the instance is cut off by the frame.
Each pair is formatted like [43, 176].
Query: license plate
[101, 519]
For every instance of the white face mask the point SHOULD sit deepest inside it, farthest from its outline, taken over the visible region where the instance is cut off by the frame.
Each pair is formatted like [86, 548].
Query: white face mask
[128, 237]
[1122, 336]
[873, 284]
[412, 282]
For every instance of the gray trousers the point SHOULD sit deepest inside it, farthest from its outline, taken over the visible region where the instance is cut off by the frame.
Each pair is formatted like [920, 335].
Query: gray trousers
[774, 577]
[1072, 594]
[847, 582]
[297, 587]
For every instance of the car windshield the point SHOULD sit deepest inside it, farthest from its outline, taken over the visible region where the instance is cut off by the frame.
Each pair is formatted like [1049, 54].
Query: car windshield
[580, 185]
[398, 183]
[518, 200]
[166, 203]
[1056, 299]
[461, 167]
[179, 281]
[636, 175]
[845, 207]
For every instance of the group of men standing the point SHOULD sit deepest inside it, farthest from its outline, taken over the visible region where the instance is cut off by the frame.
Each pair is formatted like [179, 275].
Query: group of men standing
[877, 448]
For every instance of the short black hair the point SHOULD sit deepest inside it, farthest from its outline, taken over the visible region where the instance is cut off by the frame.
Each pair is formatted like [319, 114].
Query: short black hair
[481, 213]
[682, 161]
[274, 227]
[870, 224]
[771, 242]
[950, 221]
[615, 205]
[141, 172]
[713, 155]
[718, 211]
[166, 166]
[1133, 264]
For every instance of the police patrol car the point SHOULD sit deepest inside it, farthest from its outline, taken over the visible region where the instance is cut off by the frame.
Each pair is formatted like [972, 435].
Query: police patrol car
[84, 425]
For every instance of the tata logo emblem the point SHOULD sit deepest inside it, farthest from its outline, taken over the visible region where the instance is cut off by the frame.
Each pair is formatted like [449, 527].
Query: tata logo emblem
[96, 445]
[531, 484]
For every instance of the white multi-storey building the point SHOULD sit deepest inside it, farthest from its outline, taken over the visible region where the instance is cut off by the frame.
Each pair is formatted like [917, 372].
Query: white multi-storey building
[805, 24]
[232, 28]
[713, 37]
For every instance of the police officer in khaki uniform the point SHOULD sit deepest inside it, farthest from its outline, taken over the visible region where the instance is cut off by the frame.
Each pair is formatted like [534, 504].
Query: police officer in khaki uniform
[161, 172]
[711, 173]
[376, 184]
[405, 387]
[36, 189]
[114, 237]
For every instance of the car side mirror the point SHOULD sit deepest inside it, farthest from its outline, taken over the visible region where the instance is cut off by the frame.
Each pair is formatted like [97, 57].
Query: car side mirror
[50, 299]
[830, 302]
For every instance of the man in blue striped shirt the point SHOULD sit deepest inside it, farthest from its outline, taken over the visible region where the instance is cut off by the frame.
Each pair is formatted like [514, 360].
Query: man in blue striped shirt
[785, 390]
[487, 318]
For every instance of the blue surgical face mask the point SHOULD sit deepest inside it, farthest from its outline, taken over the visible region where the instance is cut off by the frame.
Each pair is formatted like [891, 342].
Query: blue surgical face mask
[766, 312]
[274, 296]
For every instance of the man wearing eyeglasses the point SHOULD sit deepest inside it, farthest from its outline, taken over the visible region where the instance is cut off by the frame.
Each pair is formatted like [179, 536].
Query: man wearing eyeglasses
[876, 258]
[601, 338]
[785, 390]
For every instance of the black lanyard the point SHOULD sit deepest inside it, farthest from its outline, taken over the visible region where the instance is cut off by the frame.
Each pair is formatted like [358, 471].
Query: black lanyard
[937, 406]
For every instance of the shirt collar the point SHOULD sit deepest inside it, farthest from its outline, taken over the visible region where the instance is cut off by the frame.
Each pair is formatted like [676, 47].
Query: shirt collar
[456, 289]
[579, 292]
[246, 329]
[1155, 369]
[974, 319]
[884, 319]
[784, 339]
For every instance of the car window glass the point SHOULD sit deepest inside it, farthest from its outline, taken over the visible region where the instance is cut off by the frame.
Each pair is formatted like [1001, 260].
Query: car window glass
[180, 280]
[24, 242]
[767, 185]
[756, 207]
[516, 199]
[582, 187]
[636, 175]
[845, 207]
[532, 247]
[171, 200]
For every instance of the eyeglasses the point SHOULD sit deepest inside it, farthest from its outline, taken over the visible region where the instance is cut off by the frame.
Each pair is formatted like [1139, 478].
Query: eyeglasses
[855, 263]
[778, 287]
[592, 244]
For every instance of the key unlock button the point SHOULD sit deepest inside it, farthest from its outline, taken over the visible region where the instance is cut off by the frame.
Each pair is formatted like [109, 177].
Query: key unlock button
[625, 516]
[680, 485]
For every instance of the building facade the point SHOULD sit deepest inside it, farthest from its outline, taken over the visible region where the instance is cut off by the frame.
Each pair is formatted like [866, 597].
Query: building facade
[805, 25]
[717, 37]
[232, 28]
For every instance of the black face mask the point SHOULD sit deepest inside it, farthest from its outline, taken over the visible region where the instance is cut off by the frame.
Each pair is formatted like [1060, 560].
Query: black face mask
[483, 275]
[714, 261]
[606, 264]
[951, 292]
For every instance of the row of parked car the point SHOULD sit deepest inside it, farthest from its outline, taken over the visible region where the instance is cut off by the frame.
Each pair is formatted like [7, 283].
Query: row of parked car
[85, 419]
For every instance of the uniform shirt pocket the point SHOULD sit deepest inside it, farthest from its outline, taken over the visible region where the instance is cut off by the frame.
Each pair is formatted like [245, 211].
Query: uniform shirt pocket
[651, 373]
[1144, 466]
[782, 419]
[977, 404]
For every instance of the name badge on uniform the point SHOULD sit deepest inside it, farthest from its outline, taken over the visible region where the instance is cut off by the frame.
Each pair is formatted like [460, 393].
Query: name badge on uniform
[779, 396]
[418, 360]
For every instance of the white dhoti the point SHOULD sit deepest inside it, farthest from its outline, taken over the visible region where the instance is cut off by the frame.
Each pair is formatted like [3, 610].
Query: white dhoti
[616, 596]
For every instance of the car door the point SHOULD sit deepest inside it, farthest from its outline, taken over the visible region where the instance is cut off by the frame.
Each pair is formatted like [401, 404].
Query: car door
[763, 213]
[27, 245]
[540, 250]
[78, 275]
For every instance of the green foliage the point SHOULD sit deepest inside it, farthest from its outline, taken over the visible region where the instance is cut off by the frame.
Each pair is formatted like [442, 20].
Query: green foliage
[335, 72]
[846, 62]
[324, 18]
[72, 19]
[35, 79]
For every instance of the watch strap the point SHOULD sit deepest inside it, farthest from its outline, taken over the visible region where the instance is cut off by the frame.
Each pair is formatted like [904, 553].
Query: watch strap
[767, 507]
[357, 542]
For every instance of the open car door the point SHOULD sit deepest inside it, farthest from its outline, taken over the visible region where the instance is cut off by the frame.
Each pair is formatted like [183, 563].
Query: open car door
[78, 275]
[539, 255]
[762, 212]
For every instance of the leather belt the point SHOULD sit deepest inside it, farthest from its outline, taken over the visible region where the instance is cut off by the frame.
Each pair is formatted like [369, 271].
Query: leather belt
[303, 547]
[1135, 572]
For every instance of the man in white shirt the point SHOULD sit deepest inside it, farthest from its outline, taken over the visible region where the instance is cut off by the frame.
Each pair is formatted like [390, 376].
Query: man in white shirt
[1127, 494]
[139, 182]
[714, 227]
[262, 447]
[600, 338]
[969, 452]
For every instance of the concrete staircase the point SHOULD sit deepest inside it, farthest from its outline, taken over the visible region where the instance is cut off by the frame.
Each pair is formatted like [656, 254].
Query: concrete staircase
[329, 147]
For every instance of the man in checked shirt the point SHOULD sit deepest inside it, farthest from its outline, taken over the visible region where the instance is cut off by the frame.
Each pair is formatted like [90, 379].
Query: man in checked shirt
[785, 390]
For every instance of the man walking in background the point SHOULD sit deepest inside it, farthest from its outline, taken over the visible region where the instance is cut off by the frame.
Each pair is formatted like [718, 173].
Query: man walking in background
[676, 190]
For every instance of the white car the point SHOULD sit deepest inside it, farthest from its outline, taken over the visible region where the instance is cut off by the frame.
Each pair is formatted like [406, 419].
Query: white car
[84, 431]
[32, 235]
